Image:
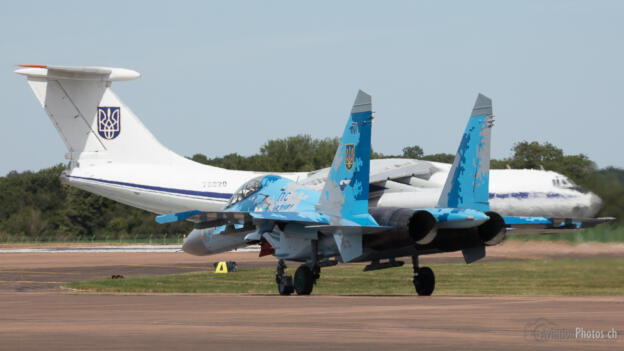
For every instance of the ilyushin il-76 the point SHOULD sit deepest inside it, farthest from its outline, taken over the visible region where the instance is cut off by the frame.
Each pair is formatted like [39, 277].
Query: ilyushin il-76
[296, 222]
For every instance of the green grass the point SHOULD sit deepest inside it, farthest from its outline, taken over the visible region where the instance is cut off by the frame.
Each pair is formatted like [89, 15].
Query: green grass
[602, 233]
[603, 276]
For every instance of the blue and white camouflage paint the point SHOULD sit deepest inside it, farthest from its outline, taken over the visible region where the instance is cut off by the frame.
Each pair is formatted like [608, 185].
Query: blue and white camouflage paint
[344, 198]
[468, 181]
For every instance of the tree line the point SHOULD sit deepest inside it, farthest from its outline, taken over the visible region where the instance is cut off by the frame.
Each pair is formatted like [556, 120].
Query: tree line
[36, 206]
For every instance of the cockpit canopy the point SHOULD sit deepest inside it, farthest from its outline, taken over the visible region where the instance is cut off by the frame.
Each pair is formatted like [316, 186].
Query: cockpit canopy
[567, 183]
[250, 187]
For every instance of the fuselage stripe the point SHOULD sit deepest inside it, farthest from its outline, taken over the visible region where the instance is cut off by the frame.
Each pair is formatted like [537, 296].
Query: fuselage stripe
[158, 188]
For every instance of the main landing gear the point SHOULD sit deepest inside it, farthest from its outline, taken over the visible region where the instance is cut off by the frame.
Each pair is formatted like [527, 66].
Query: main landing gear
[305, 278]
[424, 279]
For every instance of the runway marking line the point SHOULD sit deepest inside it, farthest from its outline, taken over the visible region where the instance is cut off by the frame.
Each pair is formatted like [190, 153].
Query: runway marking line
[30, 282]
[161, 266]
[35, 272]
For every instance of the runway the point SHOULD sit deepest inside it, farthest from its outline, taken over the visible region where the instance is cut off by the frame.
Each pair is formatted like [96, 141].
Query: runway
[35, 313]
[235, 322]
[109, 248]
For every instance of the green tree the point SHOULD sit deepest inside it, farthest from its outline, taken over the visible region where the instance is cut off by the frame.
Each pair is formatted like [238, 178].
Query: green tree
[414, 151]
[444, 158]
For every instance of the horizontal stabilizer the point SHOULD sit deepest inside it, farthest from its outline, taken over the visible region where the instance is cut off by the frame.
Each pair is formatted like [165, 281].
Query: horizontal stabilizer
[545, 225]
[78, 73]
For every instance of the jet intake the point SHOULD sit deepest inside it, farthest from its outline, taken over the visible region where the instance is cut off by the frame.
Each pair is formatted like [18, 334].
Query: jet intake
[420, 225]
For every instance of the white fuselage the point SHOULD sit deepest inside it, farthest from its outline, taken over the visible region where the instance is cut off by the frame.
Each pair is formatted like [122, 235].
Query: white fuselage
[192, 186]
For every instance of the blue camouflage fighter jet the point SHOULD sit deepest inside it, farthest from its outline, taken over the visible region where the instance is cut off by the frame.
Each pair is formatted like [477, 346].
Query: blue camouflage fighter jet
[322, 227]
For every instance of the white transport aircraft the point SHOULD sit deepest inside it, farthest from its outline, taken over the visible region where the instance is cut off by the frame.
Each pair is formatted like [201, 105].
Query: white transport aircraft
[112, 154]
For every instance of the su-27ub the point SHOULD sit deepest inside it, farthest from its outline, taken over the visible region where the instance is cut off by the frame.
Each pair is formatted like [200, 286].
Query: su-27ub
[295, 221]
[112, 154]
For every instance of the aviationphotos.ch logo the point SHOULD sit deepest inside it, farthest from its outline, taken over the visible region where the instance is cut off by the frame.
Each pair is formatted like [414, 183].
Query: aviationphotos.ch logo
[109, 121]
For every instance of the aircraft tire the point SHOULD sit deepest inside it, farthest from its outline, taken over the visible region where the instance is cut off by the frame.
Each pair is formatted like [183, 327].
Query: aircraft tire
[304, 280]
[285, 286]
[424, 282]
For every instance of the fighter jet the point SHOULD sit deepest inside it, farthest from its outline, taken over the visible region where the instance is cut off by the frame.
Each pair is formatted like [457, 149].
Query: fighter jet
[295, 221]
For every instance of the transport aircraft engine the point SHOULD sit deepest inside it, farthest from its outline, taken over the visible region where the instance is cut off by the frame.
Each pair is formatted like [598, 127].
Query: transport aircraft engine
[420, 225]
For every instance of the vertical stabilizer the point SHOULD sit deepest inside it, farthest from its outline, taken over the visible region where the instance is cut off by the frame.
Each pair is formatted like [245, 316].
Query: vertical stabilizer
[92, 121]
[345, 194]
[467, 184]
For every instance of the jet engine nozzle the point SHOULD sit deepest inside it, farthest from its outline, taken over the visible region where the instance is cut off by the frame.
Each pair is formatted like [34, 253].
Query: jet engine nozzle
[492, 232]
[420, 225]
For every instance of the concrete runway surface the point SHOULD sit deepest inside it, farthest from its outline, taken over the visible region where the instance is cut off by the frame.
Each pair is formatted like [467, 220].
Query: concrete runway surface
[35, 313]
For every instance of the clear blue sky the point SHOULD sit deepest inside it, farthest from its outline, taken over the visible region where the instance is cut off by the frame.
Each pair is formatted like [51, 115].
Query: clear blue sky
[227, 76]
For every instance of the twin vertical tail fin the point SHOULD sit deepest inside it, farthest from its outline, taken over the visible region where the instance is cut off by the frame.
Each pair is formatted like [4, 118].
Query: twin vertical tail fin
[467, 184]
[345, 194]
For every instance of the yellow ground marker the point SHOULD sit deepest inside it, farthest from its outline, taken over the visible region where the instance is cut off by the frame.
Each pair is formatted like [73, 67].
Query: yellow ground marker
[221, 267]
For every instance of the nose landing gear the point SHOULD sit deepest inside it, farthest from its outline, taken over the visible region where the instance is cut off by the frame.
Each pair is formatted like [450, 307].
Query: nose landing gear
[285, 284]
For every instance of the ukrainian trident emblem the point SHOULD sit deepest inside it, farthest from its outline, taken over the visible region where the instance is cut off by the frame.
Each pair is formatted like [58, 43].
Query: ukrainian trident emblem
[109, 121]
[349, 156]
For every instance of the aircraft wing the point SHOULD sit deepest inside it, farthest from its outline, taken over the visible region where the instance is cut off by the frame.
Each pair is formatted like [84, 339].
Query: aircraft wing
[301, 217]
[209, 219]
[213, 219]
[545, 225]
[391, 169]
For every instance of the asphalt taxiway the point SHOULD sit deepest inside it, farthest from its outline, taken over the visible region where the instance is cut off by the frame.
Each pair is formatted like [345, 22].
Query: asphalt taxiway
[36, 313]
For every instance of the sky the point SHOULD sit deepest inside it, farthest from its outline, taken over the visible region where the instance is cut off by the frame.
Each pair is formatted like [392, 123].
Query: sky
[226, 76]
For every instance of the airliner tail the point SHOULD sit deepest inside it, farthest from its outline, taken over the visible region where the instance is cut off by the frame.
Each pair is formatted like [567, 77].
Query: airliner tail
[92, 121]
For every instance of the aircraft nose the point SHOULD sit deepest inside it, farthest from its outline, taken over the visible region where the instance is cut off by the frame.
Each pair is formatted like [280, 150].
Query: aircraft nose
[193, 244]
[595, 204]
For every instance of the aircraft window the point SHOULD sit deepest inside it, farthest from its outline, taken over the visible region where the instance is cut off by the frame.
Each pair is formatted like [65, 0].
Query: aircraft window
[567, 183]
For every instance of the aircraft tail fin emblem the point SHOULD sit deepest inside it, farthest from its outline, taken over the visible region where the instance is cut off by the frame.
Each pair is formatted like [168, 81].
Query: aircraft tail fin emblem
[349, 156]
[109, 122]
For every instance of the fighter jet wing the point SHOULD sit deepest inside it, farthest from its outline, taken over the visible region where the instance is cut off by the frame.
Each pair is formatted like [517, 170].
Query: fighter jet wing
[300, 217]
[544, 225]
[208, 219]
[213, 219]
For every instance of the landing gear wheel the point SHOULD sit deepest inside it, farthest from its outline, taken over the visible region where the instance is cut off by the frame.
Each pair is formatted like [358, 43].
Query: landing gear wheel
[304, 280]
[285, 286]
[424, 281]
